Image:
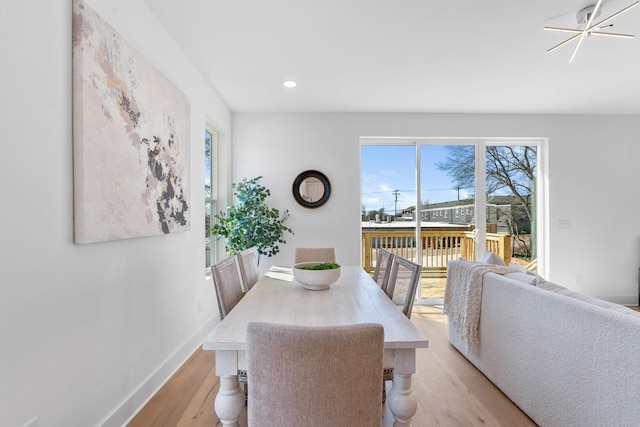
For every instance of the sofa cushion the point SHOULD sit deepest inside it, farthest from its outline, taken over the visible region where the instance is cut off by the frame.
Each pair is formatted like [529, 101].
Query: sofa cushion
[525, 278]
[491, 258]
[554, 287]
[538, 279]
[520, 268]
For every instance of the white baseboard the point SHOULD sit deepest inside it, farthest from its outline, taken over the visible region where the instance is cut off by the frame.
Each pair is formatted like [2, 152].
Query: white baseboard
[125, 412]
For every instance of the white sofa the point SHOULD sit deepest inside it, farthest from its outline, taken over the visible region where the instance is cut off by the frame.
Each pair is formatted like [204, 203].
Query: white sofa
[565, 359]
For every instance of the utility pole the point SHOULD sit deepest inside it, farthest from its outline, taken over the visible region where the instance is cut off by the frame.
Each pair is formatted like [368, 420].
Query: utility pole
[396, 193]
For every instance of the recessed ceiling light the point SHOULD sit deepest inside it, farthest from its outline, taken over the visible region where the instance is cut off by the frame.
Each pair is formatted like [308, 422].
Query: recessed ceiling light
[289, 83]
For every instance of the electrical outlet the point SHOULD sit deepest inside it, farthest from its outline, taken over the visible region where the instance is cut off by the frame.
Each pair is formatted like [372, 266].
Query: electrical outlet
[578, 280]
[564, 224]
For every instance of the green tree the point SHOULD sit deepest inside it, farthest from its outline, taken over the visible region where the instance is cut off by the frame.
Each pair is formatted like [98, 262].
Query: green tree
[250, 222]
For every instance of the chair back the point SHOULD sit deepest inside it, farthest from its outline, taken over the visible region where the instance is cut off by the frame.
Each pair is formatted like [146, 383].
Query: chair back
[404, 279]
[314, 376]
[383, 268]
[226, 281]
[248, 264]
[315, 254]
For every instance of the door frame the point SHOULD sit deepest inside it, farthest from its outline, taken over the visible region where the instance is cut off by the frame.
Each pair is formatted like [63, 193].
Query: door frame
[480, 144]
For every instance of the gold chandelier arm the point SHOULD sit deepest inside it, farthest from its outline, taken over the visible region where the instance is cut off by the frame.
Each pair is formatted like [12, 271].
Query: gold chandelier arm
[565, 30]
[570, 39]
[614, 15]
[584, 32]
[623, 36]
[575, 51]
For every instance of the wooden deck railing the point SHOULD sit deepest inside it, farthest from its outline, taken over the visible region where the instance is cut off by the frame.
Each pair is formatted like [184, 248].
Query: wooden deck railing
[438, 247]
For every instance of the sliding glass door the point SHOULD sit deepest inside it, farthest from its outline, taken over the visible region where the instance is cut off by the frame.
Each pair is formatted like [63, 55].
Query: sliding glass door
[511, 177]
[433, 201]
[388, 198]
[447, 212]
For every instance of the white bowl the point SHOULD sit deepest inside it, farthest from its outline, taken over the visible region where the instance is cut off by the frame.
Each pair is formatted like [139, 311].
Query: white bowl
[315, 280]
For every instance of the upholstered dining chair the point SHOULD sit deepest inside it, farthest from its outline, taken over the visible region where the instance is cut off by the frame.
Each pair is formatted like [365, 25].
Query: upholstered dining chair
[248, 264]
[383, 268]
[226, 282]
[310, 376]
[315, 254]
[404, 279]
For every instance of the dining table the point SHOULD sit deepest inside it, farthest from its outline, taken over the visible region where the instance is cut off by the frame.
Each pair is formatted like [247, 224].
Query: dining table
[278, 298]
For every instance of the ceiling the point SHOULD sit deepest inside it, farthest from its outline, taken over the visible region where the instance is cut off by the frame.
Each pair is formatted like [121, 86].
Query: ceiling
[407, 55]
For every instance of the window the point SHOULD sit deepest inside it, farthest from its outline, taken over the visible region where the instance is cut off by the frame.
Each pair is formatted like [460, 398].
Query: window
[210, 192]
[435, 200]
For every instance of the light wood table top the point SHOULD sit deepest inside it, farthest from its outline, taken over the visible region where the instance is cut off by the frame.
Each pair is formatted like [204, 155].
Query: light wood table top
[354, 298]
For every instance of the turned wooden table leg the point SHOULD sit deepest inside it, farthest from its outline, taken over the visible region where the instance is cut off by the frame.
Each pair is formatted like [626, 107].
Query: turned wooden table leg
[229, 402]
[401, 400]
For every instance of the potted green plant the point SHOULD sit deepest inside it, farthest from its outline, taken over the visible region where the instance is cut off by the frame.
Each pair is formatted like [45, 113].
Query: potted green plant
[250, 222]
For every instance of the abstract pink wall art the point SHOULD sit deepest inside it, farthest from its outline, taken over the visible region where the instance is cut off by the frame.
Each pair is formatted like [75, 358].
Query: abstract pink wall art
[131, 137]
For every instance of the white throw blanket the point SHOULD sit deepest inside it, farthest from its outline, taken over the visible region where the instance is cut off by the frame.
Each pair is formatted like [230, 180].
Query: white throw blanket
[463, 297]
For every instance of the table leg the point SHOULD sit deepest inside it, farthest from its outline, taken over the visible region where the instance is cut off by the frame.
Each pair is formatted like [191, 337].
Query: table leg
[229, 402]
[401, 400]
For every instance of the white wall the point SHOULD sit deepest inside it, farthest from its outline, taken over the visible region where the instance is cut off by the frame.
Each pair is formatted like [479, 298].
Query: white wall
[88, 332]
[592, 178]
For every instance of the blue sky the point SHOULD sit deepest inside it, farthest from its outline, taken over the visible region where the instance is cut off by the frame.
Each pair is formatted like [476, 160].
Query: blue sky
[389, 168]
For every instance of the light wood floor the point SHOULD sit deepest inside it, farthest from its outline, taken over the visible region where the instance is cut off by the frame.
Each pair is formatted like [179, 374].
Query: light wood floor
[450, 391]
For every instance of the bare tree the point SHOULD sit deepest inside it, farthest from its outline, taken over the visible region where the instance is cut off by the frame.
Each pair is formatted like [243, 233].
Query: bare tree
[513, 168]
[510, 168]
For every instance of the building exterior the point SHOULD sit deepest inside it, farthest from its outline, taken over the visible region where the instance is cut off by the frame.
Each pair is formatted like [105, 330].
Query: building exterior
[503, 211]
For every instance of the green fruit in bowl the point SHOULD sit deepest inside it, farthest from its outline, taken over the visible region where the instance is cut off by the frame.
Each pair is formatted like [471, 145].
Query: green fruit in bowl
[323, 266]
